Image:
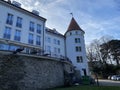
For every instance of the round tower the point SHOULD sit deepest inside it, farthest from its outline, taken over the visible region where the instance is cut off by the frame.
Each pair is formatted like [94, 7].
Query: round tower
[75, 47]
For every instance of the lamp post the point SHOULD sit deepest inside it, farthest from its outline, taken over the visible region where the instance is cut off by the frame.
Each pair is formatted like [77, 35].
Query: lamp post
[97, 79]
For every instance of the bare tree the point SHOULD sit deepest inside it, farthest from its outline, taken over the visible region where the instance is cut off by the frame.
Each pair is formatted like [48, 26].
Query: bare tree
[94, 51]
[104, 49]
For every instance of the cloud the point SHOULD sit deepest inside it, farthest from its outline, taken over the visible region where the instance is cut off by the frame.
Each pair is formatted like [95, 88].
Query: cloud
[95, 17]
[97, 29]
[37, 3]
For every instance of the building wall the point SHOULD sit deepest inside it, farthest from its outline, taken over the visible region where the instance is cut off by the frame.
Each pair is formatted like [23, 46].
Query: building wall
[71, 50]
[53, 44]
[29, 72]
[26, 18]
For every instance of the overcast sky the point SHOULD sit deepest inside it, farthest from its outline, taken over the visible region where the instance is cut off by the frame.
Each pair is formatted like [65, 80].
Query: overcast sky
[96, 17]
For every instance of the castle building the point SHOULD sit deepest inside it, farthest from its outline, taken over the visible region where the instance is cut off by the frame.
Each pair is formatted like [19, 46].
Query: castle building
[75, 47]
[22, 29]
[54, 43]
[19, 27]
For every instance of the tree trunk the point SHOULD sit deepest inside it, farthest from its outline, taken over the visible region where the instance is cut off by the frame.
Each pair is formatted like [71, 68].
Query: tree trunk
[117, 62]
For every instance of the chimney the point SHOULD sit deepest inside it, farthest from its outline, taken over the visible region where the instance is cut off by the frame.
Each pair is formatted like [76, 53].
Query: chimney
[35, 12]
[9, 1]
[17, 4]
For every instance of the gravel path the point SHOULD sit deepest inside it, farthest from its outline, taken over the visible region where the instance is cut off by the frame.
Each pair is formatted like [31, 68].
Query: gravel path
[108, 83]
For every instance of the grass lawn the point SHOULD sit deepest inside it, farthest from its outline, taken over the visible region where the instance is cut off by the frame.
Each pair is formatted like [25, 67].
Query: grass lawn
[89, 88]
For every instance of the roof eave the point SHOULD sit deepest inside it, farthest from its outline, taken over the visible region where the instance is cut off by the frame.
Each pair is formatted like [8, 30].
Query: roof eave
[13, 6]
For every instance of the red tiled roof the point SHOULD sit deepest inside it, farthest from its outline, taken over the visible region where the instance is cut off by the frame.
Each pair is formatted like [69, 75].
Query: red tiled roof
[73, 26]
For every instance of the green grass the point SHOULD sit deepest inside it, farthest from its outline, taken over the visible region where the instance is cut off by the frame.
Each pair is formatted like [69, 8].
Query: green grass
[89, 88]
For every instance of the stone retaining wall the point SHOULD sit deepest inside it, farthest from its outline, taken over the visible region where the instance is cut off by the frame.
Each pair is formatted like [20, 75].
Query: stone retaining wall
[29, 72]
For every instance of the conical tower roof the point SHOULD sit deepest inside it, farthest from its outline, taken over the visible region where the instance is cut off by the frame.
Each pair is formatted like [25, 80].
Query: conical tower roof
[73, 26]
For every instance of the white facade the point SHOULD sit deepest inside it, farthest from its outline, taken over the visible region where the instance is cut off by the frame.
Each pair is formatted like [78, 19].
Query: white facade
[33, 36]
[13, 13]
[73, 54]
[54, 43]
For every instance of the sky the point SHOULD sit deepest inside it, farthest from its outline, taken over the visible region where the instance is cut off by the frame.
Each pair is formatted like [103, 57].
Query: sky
[96, 17]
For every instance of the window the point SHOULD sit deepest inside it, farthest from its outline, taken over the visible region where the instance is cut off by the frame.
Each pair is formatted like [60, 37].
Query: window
[48, 39]
[70, 33]
[38, 40]
[31, 28]
[38, 28]
[79, 59]
[30, 39]
[54, 41]
[48, 49]
[9, 19]
[7, 33]
[27, 50]
[58, 42]
[59, 50]
[4, 47]
[19, 22]
[12, 48]
[78, 49]
[55, 50]
[76, 32]
[1, 46]
[17, 35]
[8, 47]
[77, 40]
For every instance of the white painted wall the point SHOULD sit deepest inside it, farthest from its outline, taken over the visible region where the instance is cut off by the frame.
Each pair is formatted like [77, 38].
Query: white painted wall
[52, 45]
[71, 51]
[70, 39]
[25, 24]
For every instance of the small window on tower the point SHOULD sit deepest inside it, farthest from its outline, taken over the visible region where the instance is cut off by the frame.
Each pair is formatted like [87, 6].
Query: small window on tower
[76, 33]
[78, 49]
[77, 40]
[70, 33]
[79, 59]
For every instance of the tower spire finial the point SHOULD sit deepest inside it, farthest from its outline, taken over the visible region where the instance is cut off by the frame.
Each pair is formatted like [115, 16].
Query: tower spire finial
[71, 14]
